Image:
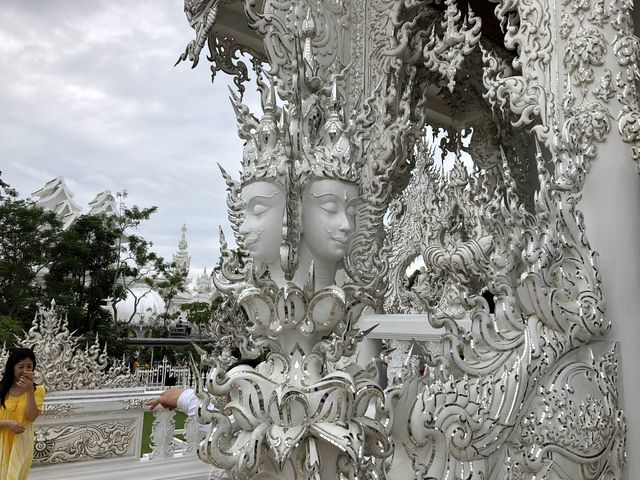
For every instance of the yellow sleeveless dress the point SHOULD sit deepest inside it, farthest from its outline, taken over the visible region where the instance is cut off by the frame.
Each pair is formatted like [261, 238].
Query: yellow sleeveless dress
[16, 450]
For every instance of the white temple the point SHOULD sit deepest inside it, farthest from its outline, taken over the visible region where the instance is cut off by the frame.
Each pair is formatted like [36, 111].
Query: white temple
[56, 197]
[181, 258]
[515, 355]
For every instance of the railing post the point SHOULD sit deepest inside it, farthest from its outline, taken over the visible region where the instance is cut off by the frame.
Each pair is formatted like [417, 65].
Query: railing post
[162, 433]
[193, 434]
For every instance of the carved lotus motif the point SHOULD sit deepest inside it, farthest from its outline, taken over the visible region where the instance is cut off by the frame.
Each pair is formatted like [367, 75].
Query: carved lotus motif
[272, 310]
[326, 316]
[292, 420]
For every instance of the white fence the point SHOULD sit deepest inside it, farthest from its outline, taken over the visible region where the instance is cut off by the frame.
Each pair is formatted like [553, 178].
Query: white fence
[164, 374]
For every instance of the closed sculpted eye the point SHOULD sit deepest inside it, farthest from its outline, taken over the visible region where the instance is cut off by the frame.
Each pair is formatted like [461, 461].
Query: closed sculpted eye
[329, 207]
[259, 208]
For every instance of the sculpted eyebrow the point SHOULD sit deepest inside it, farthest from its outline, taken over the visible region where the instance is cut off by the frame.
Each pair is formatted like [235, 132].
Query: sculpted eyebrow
[332, 196]
[323, 195]
[262, 197]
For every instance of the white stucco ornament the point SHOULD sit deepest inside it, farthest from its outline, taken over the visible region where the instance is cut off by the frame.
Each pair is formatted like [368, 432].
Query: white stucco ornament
[340, 192]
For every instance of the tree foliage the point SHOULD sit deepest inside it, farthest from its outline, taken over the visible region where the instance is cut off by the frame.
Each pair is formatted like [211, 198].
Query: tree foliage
[200, 314]
[82, 274]
[28, 236]
[88, 269]
[136, 263]
[170, 284]
[10, 328]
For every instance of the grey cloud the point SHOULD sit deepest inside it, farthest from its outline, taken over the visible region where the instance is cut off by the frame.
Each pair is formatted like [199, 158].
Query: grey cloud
[89, 92]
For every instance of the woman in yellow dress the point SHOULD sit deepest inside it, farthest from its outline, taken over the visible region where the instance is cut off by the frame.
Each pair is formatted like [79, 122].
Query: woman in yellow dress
[20, 404]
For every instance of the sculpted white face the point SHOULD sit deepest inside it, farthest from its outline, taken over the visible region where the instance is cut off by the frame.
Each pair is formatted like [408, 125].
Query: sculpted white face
[328, 218]
[262, 225]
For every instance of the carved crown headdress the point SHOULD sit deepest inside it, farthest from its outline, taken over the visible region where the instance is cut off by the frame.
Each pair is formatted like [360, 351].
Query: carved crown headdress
[308, 138]
[267, 147]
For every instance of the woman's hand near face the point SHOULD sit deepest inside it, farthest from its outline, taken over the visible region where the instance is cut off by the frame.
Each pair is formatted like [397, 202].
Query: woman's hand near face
[25, 382]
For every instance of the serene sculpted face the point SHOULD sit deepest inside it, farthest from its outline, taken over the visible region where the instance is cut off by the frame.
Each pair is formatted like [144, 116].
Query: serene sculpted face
[262, 225]
[328, 218]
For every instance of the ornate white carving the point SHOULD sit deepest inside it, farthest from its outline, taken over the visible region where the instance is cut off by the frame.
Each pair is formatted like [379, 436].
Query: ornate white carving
[162, 433]
[202, 15]
[626, 47]
[606, 89]
[59, 409]
[586, 48]
[62, 362]
[487, 402]
[193, 434]
[523, 90]
[225, 57]
[72, 443]
[445, 55]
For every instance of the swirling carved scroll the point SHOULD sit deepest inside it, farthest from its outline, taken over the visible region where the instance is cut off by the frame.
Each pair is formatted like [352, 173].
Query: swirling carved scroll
[73, 443]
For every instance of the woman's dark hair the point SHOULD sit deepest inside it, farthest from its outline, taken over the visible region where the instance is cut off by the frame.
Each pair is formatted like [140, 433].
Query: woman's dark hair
[8, 377]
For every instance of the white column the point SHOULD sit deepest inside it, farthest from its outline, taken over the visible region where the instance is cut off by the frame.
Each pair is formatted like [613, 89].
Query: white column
[611, 206]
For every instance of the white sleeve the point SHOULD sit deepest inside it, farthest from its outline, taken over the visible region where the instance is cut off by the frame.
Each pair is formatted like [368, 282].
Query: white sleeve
[188, 402]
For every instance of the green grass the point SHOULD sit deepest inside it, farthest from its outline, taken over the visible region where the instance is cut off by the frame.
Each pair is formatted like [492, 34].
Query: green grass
[146, 430]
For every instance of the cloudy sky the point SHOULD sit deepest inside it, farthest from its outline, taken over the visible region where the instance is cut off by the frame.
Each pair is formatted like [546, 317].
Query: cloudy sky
[88, 91]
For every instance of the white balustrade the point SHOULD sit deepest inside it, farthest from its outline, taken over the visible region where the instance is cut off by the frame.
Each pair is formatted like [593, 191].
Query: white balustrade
[165, 374]
[97, 433]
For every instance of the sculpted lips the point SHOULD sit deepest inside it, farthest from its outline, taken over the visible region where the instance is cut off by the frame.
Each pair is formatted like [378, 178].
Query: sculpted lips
[343, 241]
[250, 242]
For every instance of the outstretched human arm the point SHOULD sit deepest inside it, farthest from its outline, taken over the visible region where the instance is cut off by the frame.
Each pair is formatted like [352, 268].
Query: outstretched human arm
[184, 399]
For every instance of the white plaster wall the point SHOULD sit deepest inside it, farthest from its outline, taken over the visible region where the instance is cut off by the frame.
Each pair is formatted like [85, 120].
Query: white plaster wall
[611, 206]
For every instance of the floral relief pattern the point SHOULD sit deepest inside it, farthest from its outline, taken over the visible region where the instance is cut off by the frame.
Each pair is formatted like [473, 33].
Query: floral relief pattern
[626, 47]
[606, 88]
[585, 50]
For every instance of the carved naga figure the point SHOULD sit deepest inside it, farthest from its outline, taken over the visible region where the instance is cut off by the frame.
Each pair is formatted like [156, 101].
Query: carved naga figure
[517, 390]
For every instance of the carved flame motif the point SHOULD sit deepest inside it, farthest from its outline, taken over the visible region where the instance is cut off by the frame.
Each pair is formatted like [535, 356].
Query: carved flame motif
[63, 364]
[445, 55]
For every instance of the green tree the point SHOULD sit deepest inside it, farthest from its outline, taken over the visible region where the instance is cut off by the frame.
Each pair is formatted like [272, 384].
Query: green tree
[9, 329]
[136, 263]
[99, 262]
[81, 274]
[170, 283]
[200, 314]
[27, 236]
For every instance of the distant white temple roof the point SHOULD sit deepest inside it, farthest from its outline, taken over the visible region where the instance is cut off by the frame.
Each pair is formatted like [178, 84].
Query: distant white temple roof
[56, 197]
[103, 203]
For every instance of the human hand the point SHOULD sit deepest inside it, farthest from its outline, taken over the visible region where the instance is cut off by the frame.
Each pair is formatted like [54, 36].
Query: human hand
[14, 426]
[25, 382]
[168, 399]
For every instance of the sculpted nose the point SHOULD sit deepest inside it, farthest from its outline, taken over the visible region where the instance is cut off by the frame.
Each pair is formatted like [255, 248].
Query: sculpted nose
[244, 228]
[344, 224]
